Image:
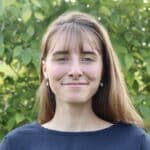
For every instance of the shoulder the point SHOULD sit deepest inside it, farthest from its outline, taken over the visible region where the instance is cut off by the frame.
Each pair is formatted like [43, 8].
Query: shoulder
[135, 133]
[22, 130]
[20, 136]
[131, 129]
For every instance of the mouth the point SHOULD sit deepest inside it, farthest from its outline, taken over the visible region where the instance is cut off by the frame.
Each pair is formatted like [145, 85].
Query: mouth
[75, 84]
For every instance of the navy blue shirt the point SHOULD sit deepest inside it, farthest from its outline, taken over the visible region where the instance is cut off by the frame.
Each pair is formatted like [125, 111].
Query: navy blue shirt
[119, 136]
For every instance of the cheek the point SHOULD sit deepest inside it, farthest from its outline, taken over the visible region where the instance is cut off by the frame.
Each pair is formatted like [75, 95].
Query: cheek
[56, 72]
[94, 72]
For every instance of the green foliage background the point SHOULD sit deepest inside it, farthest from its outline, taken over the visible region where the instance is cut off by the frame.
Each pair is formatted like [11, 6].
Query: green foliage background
[22, 24]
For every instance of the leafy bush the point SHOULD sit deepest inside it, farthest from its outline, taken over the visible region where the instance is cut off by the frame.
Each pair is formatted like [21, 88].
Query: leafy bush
[22, 24]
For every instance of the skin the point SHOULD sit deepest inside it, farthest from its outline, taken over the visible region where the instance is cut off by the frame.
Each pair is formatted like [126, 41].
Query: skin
[74, 77]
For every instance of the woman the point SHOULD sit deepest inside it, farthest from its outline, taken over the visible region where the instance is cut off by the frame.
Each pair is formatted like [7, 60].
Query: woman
[83, 99]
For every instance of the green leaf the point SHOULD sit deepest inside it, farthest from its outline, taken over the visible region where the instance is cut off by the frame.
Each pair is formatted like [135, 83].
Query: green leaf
[26, 57]
[104, 10]
[121, 51]
[18, 51]
[19, 117]
[148, 69]
[26, 14]
[36, 3]
[4, 68]
[35, 59]
[138, 56]
[128, 36]
[7, 3]
[39, 16]
[2, 133]
[10, 123]
[1, 8]
[115, 18]
[1, 44]
[147, 123]
[136, 43]
[30, 30]
[130, 79]
[145, 111]
[128, 61]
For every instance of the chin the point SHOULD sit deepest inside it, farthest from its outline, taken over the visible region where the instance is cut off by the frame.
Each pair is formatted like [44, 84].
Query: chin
[76, 100]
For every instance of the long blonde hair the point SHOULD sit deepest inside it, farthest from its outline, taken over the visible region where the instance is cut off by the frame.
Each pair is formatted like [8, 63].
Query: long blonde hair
[111, 102]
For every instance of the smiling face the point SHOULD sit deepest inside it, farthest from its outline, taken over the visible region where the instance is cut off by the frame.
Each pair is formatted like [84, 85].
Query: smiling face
[74, 73]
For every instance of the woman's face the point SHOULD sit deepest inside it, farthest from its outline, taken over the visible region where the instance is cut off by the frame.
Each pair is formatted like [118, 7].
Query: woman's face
[74, 75]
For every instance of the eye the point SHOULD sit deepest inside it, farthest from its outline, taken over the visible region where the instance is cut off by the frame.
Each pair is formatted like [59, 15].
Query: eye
[87, 59]
[62, 59]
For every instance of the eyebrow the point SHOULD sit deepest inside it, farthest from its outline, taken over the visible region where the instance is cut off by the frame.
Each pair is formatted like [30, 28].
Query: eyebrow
[60, 52]
[64, 52]
[88, 52]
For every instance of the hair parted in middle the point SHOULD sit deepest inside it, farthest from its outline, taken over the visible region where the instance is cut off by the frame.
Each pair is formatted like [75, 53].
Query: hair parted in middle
[111, 102]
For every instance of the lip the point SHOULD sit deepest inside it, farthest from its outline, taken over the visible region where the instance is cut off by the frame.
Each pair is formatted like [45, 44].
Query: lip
[74, 84]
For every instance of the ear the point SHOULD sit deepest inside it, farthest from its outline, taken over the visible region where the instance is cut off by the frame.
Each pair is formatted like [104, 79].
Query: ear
[44, 69]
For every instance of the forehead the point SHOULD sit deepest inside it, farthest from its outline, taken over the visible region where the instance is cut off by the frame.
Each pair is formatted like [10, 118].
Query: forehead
[74, 41]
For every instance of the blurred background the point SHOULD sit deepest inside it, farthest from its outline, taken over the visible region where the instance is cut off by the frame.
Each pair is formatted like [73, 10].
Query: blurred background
[22, 24]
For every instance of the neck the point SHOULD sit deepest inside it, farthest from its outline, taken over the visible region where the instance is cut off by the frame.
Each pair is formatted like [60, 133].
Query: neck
[75, 117]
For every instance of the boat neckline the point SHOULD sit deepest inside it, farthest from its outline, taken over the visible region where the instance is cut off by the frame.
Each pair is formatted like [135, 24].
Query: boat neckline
[62, 132]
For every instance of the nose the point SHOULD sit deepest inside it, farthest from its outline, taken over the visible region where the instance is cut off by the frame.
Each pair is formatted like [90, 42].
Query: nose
[75, 70]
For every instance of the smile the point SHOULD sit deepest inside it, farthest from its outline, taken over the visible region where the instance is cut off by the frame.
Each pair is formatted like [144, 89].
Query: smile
[75, 84]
